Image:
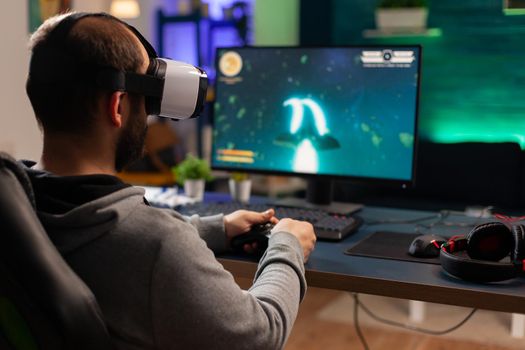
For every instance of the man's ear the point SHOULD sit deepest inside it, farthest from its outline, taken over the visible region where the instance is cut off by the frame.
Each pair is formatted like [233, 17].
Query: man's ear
[116, 108]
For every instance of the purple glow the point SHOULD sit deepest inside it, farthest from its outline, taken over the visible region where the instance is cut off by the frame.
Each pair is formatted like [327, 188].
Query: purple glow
[180, 41]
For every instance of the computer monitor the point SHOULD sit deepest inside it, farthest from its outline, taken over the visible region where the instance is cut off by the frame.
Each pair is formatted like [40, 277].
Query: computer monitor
[323, 113]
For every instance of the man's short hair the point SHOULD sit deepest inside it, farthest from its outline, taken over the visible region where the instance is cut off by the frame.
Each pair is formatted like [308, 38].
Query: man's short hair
[93, 41]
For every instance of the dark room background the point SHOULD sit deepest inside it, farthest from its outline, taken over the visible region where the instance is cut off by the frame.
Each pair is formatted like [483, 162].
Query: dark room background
[473, 70]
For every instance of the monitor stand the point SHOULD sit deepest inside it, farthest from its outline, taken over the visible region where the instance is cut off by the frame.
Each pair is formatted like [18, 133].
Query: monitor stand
[319, 196]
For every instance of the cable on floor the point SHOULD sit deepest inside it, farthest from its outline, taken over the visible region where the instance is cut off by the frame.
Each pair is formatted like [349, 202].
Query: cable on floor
[356, 323]
[358, 304]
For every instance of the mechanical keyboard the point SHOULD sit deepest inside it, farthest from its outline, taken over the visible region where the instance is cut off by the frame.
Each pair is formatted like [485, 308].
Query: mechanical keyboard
[326, 226]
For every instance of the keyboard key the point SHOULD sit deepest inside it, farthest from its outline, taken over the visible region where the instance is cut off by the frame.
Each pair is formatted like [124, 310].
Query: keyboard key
[326, 226]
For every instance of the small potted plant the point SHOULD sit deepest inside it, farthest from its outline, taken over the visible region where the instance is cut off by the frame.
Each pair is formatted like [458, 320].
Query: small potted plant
[402, 15]
[240, 187]
[192, 172]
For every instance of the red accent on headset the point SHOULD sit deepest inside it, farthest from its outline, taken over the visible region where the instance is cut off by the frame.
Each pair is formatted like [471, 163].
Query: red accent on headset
[452, 244]
[435, 244]
[508, 218]
[523, 264]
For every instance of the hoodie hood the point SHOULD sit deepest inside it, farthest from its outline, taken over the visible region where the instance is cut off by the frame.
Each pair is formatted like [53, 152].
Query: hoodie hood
[76, 210]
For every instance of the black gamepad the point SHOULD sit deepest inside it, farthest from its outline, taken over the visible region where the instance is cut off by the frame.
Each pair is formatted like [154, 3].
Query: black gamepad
[258, 233]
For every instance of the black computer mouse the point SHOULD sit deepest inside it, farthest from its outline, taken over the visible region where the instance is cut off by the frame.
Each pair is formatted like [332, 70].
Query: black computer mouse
[426, 246]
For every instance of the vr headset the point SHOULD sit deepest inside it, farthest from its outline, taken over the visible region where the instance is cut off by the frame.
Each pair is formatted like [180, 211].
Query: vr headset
[172, 89]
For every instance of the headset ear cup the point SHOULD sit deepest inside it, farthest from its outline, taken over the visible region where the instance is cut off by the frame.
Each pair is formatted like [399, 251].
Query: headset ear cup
[491, 241]
[476, 270]
[518, 251]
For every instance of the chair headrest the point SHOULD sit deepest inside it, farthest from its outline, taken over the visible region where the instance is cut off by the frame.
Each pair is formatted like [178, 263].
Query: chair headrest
[9, 163]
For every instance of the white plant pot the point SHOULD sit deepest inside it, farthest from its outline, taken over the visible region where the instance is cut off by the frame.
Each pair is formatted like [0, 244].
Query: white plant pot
[240, 190]
[194, 189]
[401, 18]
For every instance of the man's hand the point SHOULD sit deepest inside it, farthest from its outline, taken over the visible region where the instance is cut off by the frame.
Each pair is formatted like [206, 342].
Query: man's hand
[241, 221]
[304, 231]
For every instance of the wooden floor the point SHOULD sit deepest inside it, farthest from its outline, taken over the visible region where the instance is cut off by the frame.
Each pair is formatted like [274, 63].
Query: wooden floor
[310, 332]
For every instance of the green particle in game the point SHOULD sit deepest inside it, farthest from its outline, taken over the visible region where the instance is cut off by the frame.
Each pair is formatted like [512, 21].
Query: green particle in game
[241, 113]
[221, 118]
[230, 145]
[365, 127]
[304, 59]
[406, 139]
[376, 140]
[217, 106]
[232, 99]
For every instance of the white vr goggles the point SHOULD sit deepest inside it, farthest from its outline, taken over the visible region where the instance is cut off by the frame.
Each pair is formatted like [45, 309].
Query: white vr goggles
[172, 89]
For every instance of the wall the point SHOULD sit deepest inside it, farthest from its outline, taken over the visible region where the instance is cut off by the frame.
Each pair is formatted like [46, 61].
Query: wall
[144, 23]
[276, 22]
[473, 77]
[19, 134]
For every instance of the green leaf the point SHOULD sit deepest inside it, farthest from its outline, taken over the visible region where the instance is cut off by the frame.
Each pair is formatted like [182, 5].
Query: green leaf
[239, 176]
[192, 168]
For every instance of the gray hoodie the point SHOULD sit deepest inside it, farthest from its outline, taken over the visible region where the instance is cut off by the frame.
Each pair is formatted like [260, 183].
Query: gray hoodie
[159, 285]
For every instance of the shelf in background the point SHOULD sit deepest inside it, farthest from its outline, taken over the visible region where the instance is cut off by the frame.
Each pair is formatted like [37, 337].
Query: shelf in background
[380, 33]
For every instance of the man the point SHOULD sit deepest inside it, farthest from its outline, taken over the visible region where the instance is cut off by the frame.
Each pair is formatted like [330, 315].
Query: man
[152, 270]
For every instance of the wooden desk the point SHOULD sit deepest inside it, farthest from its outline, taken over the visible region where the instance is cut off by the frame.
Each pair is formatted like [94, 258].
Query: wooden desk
[329, 267]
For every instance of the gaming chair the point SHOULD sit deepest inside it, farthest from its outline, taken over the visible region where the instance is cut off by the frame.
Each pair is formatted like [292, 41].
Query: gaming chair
[43, 303]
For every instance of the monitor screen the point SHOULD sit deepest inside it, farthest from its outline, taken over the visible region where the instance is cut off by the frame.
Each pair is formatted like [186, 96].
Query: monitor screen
[342, 112]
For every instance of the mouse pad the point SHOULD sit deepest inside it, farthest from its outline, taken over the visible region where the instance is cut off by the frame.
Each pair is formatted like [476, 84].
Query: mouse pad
[388, 245]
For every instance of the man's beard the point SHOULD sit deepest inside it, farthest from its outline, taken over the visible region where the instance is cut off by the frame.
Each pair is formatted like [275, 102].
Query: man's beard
[130, 145]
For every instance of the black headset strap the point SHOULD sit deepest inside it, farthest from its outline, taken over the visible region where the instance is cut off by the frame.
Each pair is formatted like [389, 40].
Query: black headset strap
[59, 34]
[149, 48]
[108, 77]
[57, 37]
[141, 84]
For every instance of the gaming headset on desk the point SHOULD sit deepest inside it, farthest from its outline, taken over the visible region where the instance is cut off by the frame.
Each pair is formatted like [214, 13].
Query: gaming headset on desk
[486, 245]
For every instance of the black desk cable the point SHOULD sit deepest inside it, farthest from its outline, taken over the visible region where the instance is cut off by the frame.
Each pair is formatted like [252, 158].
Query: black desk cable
[358, 304]
[356, 322]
